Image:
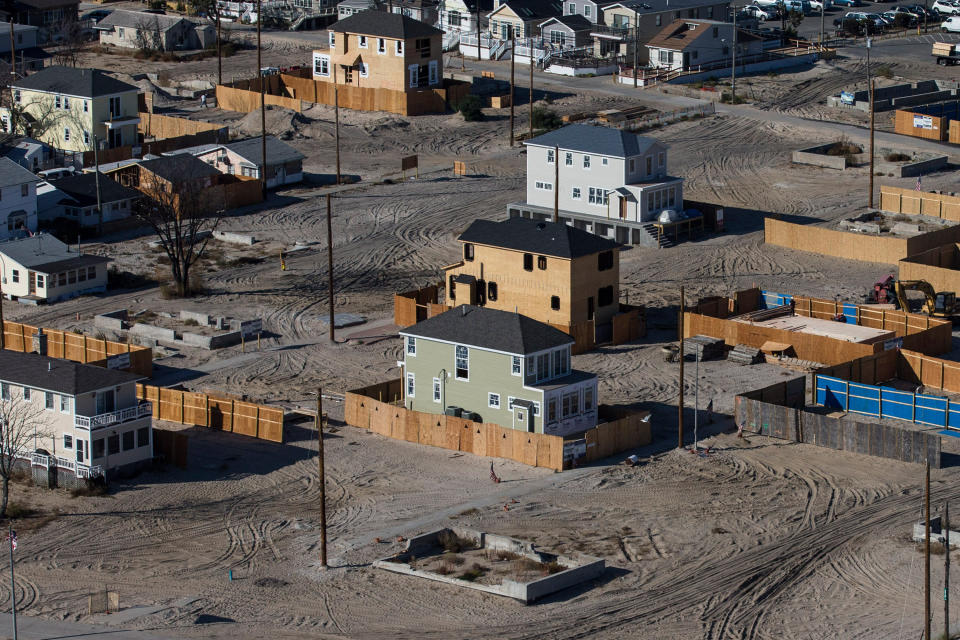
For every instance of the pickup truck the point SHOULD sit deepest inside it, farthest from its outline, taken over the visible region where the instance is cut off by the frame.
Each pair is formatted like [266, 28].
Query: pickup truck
[946, 53]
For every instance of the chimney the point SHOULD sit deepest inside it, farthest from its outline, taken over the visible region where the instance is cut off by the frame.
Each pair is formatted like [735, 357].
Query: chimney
[40, 343]
[49, 367]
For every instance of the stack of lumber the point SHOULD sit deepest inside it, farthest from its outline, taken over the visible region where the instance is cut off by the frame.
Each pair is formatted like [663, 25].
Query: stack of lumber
[943, 48]
[742, 354]
[622, 115]
[609, 115]
[579, 115]
[766, 314]
[703, 347]
[798, 365]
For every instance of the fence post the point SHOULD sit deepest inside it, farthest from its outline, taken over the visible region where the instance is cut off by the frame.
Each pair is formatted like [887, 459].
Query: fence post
[258, 421]
[847, 398]
[233, 413]
[182, 421]
[206, 403]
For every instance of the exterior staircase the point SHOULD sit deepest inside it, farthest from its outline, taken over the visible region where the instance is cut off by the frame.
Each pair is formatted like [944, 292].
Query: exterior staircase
[663, 242]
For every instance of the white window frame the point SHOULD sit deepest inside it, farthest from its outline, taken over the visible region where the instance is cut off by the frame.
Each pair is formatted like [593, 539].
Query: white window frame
[604, 161]
[586, 162]
[411, 346]
[516, 366]
[398, 49]
[381, 46]
[575, 193]
[456, 357]
[493, 400]
[364, 70]
[66, 134]
[26, 393]
[550, 156]
[5, 391]
[568, 159]
[586, 10]
[332, 39]
[15, 275]
[64, 404]
[68, 441]
[49, 401]
[362, 41]
[539, 185]
[324, 61]
[437, 391]
[411, 385]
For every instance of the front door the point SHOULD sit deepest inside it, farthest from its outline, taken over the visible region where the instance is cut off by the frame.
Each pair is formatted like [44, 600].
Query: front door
[104, 402]
[590, 308]
[686, 60]
[79, 445]
[32, 281]
[521, 421]
[623, 208]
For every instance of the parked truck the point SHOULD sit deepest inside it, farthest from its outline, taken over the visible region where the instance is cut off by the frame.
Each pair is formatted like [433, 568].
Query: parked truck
[946, 53]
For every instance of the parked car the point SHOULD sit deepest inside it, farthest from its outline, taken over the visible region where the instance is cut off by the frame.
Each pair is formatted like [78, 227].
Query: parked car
[922, 11]
[96, 15]
[951, 24]
[773, 5]
[907, 10]
[946, 7]
[900, 18]
[760, 13]
[818, 5]
[848, 3]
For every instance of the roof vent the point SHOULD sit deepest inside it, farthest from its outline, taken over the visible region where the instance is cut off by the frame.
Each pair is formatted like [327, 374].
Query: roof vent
[49, 367]
[463, 310]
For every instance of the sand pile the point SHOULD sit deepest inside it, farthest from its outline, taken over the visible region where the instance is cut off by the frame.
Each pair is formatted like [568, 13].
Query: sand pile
[281, 122]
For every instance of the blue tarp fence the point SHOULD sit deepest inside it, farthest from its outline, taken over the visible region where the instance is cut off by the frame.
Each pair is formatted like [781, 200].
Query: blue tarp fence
[886, 402]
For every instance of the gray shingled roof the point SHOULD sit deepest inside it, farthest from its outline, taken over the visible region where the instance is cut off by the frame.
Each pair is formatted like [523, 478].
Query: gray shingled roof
[602, 141]
[532, 236]
[385, 25]
[574, 22]
[135, 19]
[84, 83]
[12, 174]
[179, 168]
[45, 253]
[59, 376]
[82, 188]
[533, 9]
[277, 151]
[490, 329]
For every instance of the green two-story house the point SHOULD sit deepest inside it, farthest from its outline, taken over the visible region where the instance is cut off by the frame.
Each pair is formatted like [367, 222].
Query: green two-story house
[497, 366]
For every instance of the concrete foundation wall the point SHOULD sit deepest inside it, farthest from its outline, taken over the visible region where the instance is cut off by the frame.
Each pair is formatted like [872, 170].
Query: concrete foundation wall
[817, 157]
[235, 238]
[202, 318]
[150, 331]
[114, 320]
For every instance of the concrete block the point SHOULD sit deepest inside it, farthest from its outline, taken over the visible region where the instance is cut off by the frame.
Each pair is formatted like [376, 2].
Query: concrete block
[156, 333]
[113, 320]
[202, 318]
[905, 229]
[221, 323]
[867, 227]
[817, 157]
[234, 238]
[224, 340]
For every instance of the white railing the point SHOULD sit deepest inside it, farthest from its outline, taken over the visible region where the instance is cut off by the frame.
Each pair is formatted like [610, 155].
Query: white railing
[79, 470]
[113, 417]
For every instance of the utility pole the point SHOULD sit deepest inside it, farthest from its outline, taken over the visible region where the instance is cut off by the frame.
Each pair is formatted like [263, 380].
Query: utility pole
[11, 541]
[946, 569]
[336, 118]
[680, 402]
[531, 88]
[926, 557]
[513, 59]
[478, 32]
[13, 54]
[263, 110]
[556, 183]
[13, 79]
[823, 4]
[330, 265]
[733, 61]
[323, 480]
[636, 44]
[216, 13]
[870, 199]
[3, 330]
[96, 166]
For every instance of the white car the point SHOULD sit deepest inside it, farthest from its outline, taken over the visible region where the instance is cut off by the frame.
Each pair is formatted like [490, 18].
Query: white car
[951, 24]
[760, 13]
[946, 7]
[818, 5]
[767, 4]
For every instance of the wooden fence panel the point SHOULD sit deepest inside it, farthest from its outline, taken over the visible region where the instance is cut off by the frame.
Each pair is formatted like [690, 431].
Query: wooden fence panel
[271, 424]
[245, 418]
[195, 409]
[380, 415]
[221, 414]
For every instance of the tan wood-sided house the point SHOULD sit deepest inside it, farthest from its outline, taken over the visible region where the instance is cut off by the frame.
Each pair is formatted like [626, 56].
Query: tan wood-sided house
[380, 50]
[551, 272]
[522, 18]
[688, 44]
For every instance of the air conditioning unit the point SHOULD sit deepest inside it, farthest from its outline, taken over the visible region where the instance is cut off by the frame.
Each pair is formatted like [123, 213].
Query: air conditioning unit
[456, 412]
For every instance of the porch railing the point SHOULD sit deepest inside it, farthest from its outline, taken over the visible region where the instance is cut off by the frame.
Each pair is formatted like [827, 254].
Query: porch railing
[114, 417]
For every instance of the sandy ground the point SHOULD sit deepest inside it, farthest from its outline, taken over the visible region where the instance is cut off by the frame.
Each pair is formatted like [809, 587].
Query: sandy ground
[759, 539]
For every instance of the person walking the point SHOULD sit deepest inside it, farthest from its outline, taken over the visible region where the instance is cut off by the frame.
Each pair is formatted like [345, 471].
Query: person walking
[203, 100]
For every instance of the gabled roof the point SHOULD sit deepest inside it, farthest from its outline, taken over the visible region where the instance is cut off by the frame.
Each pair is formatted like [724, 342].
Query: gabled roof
[532, 9]
[658, 6]
[43, 252]
[12, 174]
[683, 32]
[82, 188]
[532, 236]
[574, 22]
[277, 151]
[603, 141]
[59, 376]
[385, 25]
[136, 19]
[180, 168]
[490, 329]
[84, 83]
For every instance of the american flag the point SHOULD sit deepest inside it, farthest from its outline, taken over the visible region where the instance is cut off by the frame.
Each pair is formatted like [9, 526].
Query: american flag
[12, 539]
[918, 183]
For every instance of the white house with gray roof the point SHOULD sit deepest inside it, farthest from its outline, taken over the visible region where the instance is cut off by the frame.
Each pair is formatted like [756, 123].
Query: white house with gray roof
[497, 366]
[611, 182]
[40, 268]
[18, 200]
[140, 30]
[245, 158]
[90, 420]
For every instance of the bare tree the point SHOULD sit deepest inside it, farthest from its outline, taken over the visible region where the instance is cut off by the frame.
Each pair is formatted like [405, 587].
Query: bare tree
[70, 41]
[149, 35]
[183, 218]
[44, 119]
[23, 424]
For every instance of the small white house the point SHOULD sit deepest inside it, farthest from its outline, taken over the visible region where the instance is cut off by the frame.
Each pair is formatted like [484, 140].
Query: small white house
[41, 268]
[245, 158]
[18, 200]
[74, 198]
[689, 44]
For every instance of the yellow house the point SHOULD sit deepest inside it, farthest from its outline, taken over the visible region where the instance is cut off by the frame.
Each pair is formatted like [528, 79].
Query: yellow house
[70, 108]
[380, 50]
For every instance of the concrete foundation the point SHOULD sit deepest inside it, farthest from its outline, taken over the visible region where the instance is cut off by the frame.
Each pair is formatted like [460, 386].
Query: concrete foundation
[113, 320]
[580, 569]
[900, 96]
[234, 238]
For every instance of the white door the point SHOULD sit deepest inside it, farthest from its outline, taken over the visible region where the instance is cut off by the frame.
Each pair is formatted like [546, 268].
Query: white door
[521, 419]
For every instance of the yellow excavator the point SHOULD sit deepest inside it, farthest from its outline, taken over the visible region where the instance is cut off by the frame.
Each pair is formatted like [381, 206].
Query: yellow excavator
[937, 304]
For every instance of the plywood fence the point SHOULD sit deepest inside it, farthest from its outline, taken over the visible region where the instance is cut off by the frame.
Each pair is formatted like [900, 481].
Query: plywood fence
[953, 136]
[410, 307]
[485, 439]
[903, 123]
[77, 347]
[172, 446]
[872, 369]
[245, 101]
[913, 202]
[832, 242]
[407, 103]
[205, 410]
[153, 125]
[936, 266]
[933, 373]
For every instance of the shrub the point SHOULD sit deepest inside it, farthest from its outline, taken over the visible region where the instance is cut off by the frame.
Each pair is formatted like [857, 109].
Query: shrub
[473, 573]
[453, 543]
[727, 98]
[190, 322]
[544, 118]
[843, 147]
[17, 510]
[897, 157]
[883, 71]
[470, 109]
